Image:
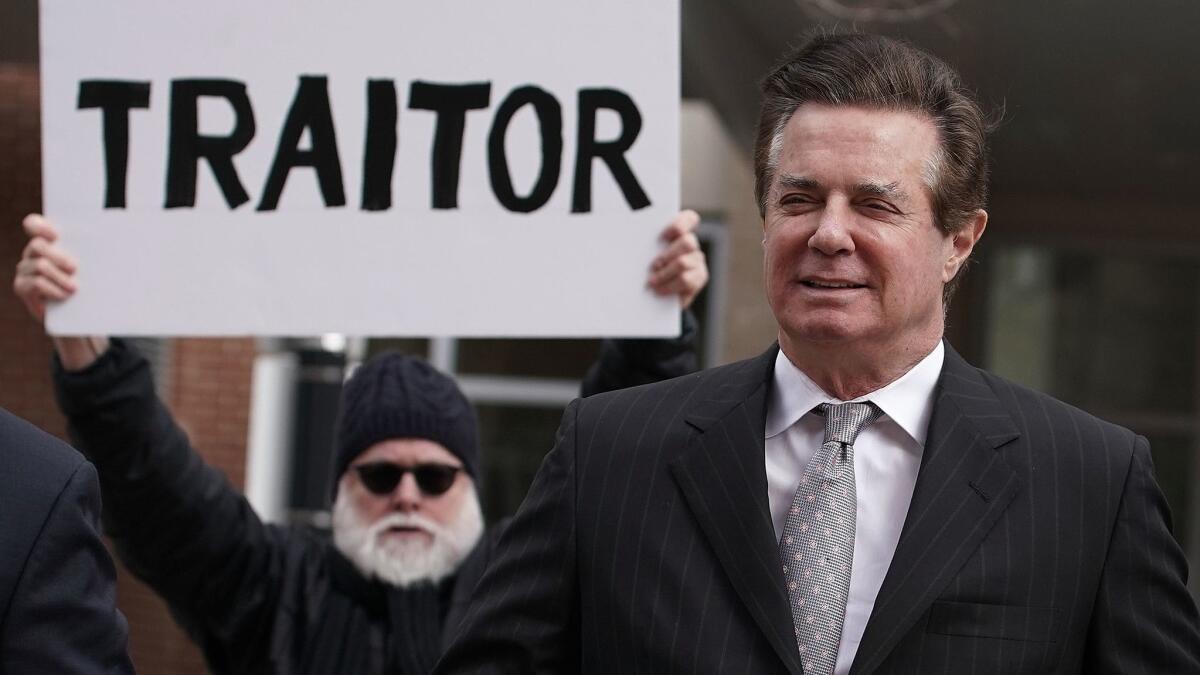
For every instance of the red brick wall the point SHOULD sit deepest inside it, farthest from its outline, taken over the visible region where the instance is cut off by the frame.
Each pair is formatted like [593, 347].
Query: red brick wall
[210, 395]
[24, 351]
[209, 383]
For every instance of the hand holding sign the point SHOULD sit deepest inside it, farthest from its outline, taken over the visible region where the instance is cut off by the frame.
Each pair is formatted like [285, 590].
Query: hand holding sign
[681, 269]
[46, 275]
[45, 272]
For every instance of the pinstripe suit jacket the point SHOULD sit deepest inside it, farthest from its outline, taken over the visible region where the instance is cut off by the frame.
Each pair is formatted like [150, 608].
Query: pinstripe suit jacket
[1037, 541]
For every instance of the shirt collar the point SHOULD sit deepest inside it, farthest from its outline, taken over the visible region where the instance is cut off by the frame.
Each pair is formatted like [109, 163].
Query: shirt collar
[908, 400]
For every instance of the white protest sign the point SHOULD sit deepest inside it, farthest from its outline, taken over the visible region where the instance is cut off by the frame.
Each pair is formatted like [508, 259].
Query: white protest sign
[297, 167]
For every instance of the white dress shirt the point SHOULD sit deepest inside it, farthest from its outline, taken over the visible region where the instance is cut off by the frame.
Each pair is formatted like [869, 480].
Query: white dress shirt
[887, 455]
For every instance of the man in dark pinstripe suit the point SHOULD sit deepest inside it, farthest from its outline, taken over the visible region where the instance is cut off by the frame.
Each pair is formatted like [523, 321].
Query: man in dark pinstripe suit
[995, 530]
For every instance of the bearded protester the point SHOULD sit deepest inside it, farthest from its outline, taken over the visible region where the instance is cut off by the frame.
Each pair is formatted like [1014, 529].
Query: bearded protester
[408, 540]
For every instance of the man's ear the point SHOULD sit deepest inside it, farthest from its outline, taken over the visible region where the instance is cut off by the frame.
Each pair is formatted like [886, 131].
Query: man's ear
[963, 242]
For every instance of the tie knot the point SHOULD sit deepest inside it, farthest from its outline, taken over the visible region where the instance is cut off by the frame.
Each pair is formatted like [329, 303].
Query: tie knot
[843, 421]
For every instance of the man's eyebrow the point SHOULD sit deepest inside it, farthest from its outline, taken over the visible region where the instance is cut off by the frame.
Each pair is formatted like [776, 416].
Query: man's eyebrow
[889, 190]
[793, 182]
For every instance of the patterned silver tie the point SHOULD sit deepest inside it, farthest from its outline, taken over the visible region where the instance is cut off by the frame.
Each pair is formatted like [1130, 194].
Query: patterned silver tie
[817, 548]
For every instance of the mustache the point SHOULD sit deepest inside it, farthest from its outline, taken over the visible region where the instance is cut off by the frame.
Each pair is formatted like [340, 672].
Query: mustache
[406, 520]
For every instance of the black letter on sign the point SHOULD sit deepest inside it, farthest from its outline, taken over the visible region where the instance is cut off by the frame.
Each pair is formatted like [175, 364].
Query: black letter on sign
[451, 102]
[612, 152]
[310, 110]
[186, 146]
[549, 114]
[379, 151]
[115, 99]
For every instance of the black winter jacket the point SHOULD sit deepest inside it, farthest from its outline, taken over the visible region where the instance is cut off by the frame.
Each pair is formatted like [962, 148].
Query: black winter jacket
[261, 598]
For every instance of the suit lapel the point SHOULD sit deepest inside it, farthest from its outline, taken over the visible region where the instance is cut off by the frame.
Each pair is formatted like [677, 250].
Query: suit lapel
[722, 475]
[963, 487]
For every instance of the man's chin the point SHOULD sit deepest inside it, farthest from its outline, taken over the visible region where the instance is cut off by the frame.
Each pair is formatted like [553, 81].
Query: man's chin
[832, 330]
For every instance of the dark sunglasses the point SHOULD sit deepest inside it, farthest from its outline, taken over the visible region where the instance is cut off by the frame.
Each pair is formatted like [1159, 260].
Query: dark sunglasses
[381, 478]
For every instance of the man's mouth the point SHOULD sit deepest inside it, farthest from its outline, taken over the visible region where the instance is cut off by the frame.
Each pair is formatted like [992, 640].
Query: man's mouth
[830, 285]
[405, 530]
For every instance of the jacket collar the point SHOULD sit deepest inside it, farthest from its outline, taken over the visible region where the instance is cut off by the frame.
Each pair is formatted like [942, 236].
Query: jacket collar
[722, 476]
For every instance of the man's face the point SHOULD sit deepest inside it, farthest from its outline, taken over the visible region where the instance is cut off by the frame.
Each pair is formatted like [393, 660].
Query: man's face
[410, 532]
[853, 257]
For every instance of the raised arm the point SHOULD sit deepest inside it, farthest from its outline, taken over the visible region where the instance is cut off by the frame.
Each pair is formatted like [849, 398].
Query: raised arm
[176, 522]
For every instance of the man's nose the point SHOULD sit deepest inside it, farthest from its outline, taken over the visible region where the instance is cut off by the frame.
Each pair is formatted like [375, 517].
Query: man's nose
[407, 496]
[832, 236]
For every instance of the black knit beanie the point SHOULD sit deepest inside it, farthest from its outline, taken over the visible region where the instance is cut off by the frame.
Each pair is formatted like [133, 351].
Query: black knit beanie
[394, 395]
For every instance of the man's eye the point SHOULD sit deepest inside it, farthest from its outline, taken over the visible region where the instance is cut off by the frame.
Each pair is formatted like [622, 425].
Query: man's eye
[879, 206]
[796, 199]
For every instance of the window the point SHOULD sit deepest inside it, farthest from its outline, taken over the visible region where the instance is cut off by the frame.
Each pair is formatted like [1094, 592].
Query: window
[1114, 334]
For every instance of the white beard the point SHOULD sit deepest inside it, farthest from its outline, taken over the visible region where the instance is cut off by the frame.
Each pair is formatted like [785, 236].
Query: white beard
[403, 562]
